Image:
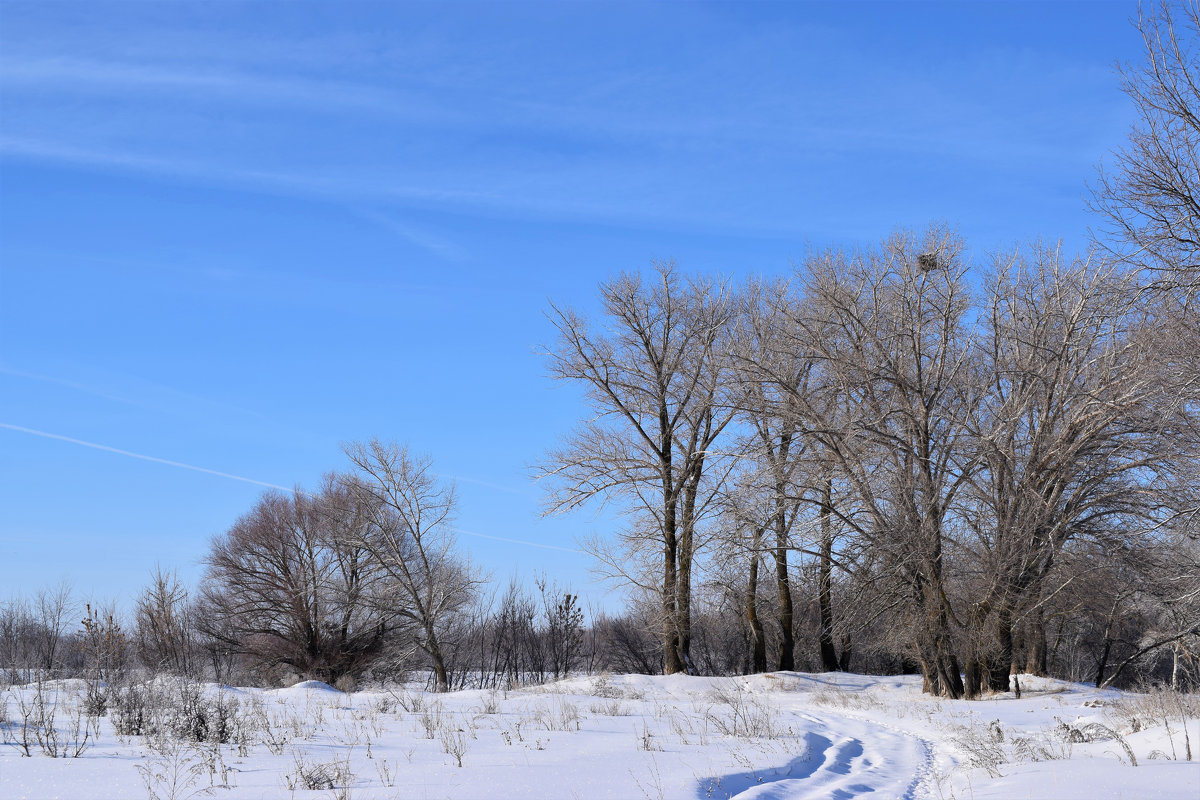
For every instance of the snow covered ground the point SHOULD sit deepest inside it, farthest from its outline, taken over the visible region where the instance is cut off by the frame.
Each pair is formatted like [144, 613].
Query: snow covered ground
[782, 735]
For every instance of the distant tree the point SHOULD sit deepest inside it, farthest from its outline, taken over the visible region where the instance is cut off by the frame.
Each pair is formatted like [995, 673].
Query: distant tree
[33, 632]
[104, 649]
[288, 586]
[563, 627]
[631, 641]
[408, 533]
[514, 650]
[165, 625]
[105, 644]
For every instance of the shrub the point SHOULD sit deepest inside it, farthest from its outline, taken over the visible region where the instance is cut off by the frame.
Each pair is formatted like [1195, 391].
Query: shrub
[130, 710]
[740, 714]
[320, 775]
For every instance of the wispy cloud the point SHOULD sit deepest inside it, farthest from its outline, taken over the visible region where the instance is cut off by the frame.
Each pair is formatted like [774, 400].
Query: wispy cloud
[79, 387]
[344, 190]
[493, 126]
[204, 171]
[546, 195]
[437, 245]
[138, 392]
[309, 94]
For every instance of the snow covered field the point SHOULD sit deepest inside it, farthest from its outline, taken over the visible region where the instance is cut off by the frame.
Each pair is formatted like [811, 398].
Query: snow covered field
[782, 735]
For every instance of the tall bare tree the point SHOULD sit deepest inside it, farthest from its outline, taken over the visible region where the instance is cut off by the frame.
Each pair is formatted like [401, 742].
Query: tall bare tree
[408, 532]
[1069, 433]
[653, 371]
[888, 328]
[743, 519]
[770, 378]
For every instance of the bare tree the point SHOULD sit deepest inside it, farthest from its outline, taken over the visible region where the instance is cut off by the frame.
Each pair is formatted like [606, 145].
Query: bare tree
[409, 533]
[653, 373]
[631, 642]
[745, 512]
[1152, 198]
[1164, 597]
[165, 625]
[288, 586]
[775, 392]
[888, 328]
[32, 632]
[52, 607]
[772, 371]
[1069, 433]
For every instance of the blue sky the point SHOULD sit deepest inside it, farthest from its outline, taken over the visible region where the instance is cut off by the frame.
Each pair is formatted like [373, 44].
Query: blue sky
[235, 235]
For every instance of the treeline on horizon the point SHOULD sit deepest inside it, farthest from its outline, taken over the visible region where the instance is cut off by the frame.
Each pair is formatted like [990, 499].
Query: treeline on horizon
[896, 459]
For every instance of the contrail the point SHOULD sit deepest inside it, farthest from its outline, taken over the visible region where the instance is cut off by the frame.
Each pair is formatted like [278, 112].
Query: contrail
[488, 484]
[156, 460]
[181, 465]
[518, 541]
[33, 376]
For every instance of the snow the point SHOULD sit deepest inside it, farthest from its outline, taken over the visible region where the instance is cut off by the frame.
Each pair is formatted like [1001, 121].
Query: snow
[303, 688]
[780, 735]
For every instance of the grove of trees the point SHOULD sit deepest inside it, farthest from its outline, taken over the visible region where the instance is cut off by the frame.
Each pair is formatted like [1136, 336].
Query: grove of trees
[950, 451]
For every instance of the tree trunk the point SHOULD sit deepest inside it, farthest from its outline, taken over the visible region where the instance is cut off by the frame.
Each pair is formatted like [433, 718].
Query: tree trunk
[672, 663]
[1035, 657]
[1103, 665]
[783, 581]
[829, 660]
[683, 595]
[783, 586]
[1108, 642]
[441, 677]
[1175, 669]
[952, 676]
[939, 658]
[949, 678]
[1001, 658]
[758, 645]
[687, 550]
[929, 677]
[973, 679]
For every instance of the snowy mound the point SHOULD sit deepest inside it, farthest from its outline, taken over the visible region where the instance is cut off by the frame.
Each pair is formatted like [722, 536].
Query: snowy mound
[303, 689]
[319, 686]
